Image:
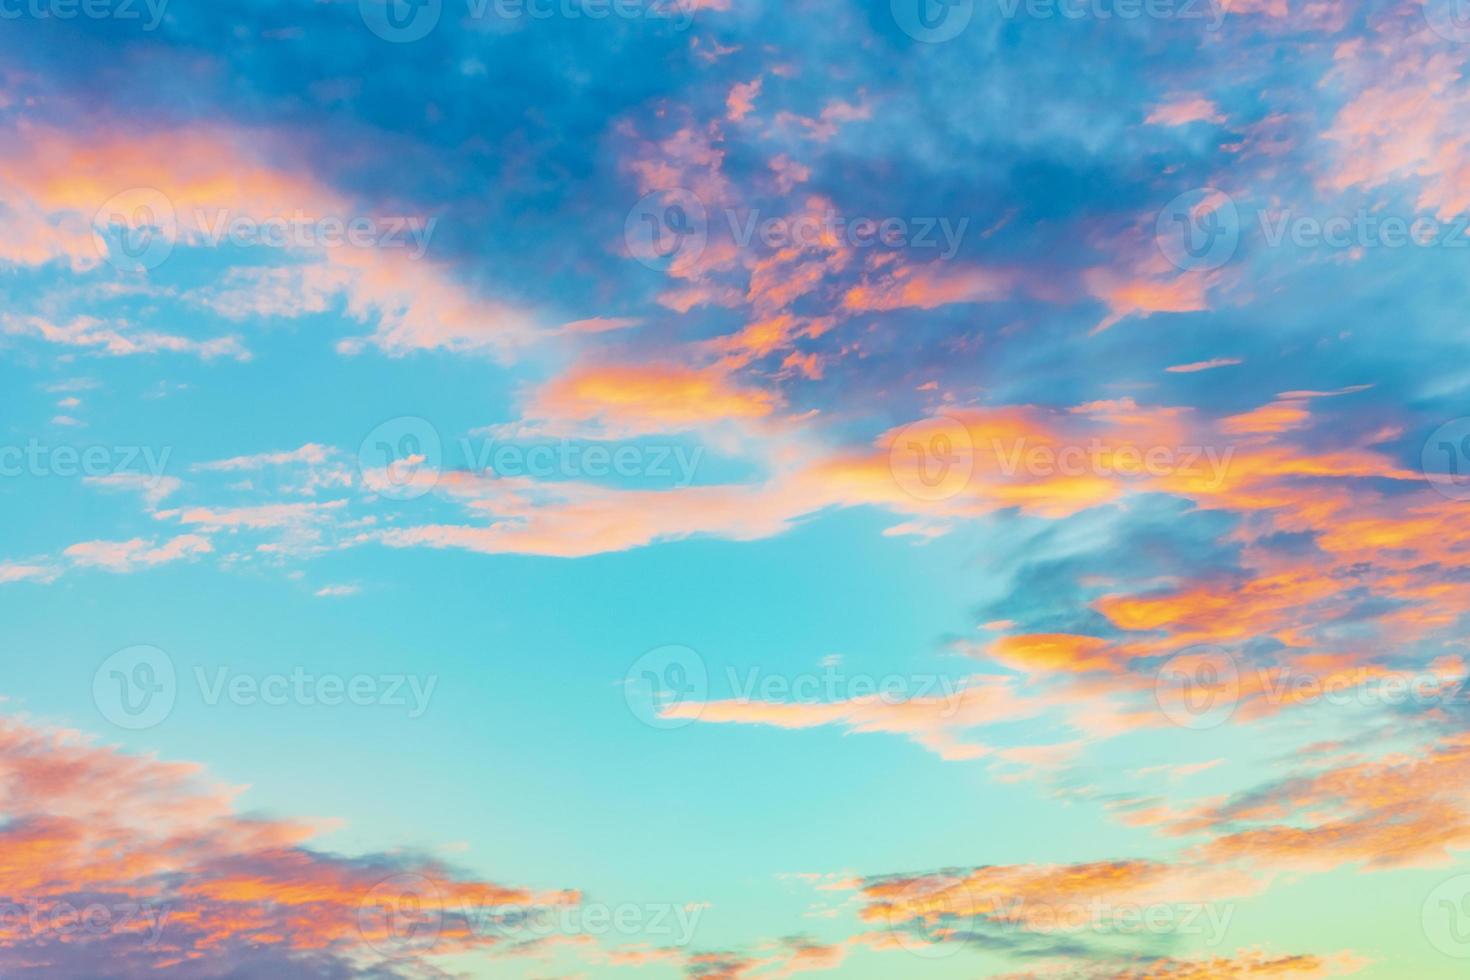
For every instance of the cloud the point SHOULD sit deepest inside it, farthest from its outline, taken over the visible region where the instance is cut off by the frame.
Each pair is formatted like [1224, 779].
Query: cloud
[137, 553]
[166, 877]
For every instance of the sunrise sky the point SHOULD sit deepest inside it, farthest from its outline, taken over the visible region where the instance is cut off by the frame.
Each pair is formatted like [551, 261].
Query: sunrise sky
[734, 489]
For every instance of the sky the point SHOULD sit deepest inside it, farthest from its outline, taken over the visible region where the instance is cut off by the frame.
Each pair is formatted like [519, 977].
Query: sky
[734, 489]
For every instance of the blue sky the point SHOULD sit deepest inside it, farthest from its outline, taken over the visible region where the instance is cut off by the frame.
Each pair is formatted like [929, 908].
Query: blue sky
[727, 489]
